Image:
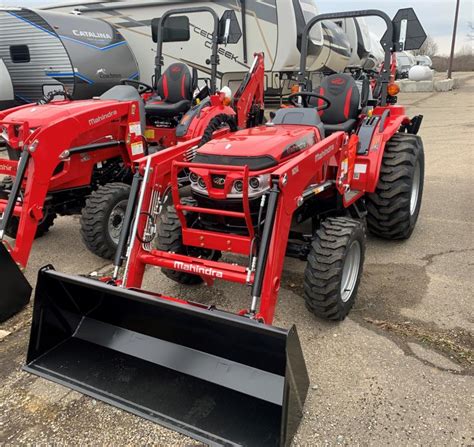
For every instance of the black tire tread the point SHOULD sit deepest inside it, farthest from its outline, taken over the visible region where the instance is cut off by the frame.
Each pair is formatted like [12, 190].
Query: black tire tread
[93, 215]
[170, 240]
[324, 267]
[389, 206]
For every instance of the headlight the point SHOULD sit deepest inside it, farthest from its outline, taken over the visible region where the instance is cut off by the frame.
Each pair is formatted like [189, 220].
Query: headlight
[193, 177]
[260, 183]
[238, 186]
[254, 182]
[257, 185]
[197, 183]
[201, 183]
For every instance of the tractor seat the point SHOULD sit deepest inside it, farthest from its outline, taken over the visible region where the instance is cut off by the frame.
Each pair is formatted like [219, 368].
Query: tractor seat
[344, 94]
[174, 93]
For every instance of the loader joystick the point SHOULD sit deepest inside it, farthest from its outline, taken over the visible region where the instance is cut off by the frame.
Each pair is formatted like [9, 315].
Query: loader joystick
[51, 95]
[305, 100]
[140, 86]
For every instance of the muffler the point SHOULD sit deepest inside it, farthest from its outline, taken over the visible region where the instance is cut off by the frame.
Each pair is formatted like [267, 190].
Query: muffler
[218, 377]
[15, 290]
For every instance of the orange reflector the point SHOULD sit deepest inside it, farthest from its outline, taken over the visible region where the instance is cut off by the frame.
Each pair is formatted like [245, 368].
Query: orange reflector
[393, 89]
[295, 88]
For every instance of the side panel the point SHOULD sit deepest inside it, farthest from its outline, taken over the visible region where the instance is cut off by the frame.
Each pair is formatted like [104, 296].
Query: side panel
[6, 87]
[100, 55]
[134, 24]
[25, 28]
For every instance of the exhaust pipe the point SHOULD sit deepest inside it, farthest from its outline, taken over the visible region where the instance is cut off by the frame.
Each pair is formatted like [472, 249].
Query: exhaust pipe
[215, 376]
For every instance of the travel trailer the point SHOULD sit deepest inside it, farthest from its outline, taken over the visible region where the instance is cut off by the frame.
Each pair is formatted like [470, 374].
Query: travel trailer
[6, 87]
[43, 49]
[89, 46]
[272, 26]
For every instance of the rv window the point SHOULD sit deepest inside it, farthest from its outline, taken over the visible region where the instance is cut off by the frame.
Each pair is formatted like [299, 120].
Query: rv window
[20, 54]
[176, 29]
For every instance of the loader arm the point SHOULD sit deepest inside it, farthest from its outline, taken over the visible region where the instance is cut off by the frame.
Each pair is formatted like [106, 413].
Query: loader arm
[290, 180]
[59, 156]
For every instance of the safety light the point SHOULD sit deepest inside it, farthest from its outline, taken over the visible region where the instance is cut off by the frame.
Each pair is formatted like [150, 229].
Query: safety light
[295, 89]
[393, 89]
[226, 95]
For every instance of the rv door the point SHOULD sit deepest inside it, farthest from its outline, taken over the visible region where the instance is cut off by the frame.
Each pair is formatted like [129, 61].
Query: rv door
[6, 87]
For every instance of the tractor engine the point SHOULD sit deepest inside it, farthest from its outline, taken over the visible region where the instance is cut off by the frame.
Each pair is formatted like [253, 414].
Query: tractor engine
[226, 171]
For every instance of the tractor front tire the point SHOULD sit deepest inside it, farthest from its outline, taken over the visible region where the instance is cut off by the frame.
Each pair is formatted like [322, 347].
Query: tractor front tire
[334, 267]
[102, 218]
[170, 240]
[43, 225]
[393, 209]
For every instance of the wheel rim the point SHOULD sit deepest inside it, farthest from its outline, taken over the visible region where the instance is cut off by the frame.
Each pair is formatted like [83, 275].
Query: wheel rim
[116, 220]
[415, 189]
[350, 271]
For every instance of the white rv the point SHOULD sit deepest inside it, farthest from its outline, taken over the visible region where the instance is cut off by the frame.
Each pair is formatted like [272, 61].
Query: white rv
[271, 26]
[89, 45]
[45, 49]
[6, 87]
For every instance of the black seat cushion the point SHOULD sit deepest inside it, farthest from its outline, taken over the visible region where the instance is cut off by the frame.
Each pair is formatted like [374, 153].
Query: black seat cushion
[299, 116]
[174, 92]
[346, 126]
[155, 108]
[342, 91]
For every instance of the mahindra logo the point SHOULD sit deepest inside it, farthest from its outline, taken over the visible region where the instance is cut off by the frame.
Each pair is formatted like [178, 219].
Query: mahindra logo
[101, 118]
[218, 181]
[197, 269]
[176, 69]
[338, 81]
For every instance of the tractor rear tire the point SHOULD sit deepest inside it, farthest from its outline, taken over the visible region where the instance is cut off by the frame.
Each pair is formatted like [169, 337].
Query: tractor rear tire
[170, 240]
[334, 267]
[102, 218]
[217, 123]
[393, 209]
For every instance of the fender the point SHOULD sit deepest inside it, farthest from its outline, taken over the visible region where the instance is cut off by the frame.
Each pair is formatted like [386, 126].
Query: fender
[368, 165]
[200, 122]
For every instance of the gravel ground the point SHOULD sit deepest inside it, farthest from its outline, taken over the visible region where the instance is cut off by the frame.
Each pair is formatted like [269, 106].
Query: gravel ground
[398, 371]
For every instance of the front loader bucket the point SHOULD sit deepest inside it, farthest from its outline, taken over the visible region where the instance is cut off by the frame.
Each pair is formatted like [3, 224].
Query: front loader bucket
[215, 376]
[15, 291]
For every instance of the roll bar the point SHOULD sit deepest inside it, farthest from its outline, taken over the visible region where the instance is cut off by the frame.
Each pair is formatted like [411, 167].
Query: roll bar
[387, 42]
[215, 42]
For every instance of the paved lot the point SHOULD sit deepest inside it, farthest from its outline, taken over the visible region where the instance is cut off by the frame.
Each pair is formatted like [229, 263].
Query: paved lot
[398, 371]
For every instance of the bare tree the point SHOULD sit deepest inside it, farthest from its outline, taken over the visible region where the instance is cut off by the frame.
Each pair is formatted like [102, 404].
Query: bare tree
[429, 48]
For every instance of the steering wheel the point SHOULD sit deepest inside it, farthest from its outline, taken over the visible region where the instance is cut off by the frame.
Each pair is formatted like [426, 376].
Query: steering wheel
[140, 86]
[305, 96]
[51, 95]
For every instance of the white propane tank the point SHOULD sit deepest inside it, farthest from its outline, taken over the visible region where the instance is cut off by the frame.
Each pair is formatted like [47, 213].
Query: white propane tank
[420, 73]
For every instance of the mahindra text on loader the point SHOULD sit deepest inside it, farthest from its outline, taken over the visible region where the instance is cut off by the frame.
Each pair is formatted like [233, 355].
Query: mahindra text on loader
[76, 157]
[335, 160]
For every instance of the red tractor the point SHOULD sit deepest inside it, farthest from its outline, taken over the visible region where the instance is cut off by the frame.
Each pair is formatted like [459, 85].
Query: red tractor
[76, 157]
[331, 162]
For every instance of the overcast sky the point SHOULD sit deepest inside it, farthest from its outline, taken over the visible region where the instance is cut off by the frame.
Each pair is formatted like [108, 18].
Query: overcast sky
[437, 16]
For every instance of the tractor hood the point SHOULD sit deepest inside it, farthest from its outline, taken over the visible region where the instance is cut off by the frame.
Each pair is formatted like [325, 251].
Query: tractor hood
[259, 147]
[39, 115]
